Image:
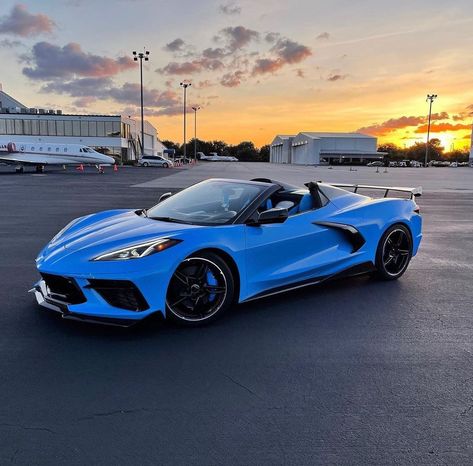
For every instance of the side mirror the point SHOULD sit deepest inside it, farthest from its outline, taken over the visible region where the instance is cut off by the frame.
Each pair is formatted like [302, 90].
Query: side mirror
[164, 196]
[270, 216]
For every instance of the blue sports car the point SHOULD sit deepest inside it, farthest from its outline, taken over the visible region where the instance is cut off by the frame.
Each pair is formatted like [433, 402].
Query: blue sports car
[221, 241]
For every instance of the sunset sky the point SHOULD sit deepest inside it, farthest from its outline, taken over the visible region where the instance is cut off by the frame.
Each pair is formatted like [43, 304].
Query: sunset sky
[257, 68]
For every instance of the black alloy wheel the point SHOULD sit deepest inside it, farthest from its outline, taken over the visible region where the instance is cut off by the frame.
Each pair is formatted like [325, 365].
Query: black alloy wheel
[201, 289]
[394, 252]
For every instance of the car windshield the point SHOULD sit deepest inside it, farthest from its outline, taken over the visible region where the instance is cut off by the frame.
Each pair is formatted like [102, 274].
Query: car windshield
[207, 203]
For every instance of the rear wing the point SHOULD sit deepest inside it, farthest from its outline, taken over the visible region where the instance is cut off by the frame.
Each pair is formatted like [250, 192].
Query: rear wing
[414, 192]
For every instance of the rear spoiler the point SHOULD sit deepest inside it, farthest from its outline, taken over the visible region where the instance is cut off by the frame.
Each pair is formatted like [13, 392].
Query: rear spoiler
[414, 192]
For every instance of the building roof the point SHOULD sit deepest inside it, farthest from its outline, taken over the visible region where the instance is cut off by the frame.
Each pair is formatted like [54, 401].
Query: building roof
[316, 134]
[11, 101]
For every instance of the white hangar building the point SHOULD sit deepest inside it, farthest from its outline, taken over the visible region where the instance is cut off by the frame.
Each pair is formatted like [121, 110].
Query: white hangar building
[310, 148]
[115, 135]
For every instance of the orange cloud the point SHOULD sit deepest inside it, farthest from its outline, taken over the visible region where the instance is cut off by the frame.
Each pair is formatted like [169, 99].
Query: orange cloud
[442, 127]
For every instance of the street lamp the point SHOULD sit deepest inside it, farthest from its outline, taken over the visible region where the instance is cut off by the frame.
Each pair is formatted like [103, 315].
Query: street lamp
[430, 99]
[195, 131]
[185, 85]
[140, 56]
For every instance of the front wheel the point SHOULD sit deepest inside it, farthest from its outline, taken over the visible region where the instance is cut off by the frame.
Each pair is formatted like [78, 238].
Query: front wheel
[146, 164]
[394, 252]
[165, 165]
[201, 289]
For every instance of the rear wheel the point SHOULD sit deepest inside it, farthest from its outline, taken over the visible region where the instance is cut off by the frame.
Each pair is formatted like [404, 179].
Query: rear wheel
[201, 289]
[394, 252]
[146, 164]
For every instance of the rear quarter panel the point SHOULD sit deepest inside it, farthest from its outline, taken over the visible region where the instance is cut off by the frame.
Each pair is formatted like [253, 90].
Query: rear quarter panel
[372, 217]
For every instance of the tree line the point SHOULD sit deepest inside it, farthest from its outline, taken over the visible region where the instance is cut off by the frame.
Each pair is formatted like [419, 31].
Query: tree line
[417, 152]
[245, 151]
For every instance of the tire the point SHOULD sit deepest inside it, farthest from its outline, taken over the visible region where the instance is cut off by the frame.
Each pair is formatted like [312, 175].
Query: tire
[165, 165]
[394, 252]
[146, 164]
[189, 300]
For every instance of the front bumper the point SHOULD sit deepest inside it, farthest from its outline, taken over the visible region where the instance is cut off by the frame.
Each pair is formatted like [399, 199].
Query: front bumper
[86, 311]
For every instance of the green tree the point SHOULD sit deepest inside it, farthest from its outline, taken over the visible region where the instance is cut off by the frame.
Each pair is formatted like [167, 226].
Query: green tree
[263, 155]
[417, 151]
[172, 145]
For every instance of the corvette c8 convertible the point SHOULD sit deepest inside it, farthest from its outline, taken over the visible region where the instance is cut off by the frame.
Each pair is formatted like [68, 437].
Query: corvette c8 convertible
[221, 241]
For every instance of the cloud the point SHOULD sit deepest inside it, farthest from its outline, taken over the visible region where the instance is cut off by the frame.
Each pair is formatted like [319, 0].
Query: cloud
[52, 61]
[323, 36]
[22, 23]
[443, 127]
[83, 87]
[10, 44]
[89, 90]
[191, 67]
[286, 51]
[336, 77]
[84, 102]
[398, 123]
[204, 84]
[230, 9]
[214, 53]
[290, 51]
[272, 37]
[238, 37]
[176, 45]
[234, 62]
[232, 79]
[266, 65]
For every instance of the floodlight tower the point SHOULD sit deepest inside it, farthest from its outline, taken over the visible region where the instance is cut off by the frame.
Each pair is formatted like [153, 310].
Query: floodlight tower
[430, 99]
[140, 56]
[185, 85]
[195, 131]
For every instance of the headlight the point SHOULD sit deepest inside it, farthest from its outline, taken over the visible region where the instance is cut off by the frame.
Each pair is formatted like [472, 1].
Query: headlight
[138, 250]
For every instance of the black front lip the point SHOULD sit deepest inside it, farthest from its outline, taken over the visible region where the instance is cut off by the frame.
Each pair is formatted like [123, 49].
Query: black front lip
[62, 308]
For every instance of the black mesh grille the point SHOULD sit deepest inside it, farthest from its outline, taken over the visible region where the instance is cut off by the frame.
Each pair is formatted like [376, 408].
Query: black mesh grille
[63, 289]
[120, 293]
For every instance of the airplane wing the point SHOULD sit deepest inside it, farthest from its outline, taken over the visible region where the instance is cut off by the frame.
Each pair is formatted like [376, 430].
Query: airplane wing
[35, 159]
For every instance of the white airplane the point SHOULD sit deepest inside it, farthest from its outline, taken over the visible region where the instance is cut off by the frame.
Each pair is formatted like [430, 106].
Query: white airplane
[39, 154]
[214, 157]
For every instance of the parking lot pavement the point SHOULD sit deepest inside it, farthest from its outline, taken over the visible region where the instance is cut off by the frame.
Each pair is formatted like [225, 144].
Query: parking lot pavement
[353, 372]
[432, 179]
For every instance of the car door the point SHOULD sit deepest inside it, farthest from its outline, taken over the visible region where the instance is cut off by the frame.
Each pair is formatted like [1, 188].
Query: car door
[294, 252]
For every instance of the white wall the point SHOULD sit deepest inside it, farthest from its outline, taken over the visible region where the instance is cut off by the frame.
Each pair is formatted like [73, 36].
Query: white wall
[305, 150]
[348, 144]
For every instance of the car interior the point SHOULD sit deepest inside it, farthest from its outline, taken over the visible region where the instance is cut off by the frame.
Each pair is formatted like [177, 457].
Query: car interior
[294, 202]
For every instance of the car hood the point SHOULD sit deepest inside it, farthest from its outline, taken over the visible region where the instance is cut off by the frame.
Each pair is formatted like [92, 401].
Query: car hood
[99, 233]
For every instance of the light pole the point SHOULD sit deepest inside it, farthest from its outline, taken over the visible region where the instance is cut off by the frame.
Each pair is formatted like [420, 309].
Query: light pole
[430, 99]
[185, 85]
[195, 131]
[140, 56]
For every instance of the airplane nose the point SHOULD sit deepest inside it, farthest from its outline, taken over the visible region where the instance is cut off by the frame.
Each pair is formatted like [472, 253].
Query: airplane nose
[107, 159]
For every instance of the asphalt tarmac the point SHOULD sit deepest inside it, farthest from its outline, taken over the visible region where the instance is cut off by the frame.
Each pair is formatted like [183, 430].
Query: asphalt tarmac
[352, 372]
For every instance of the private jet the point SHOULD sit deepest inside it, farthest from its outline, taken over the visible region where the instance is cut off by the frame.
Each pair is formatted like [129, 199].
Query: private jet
[40, 154]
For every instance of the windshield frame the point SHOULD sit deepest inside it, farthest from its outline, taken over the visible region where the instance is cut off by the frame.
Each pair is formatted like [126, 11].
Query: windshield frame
[241, 216]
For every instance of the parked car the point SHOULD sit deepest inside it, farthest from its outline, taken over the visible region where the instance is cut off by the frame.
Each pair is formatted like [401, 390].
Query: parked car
[376, 163]
[154, 161]
[416, 164]
[197, 252]
[393, 164]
